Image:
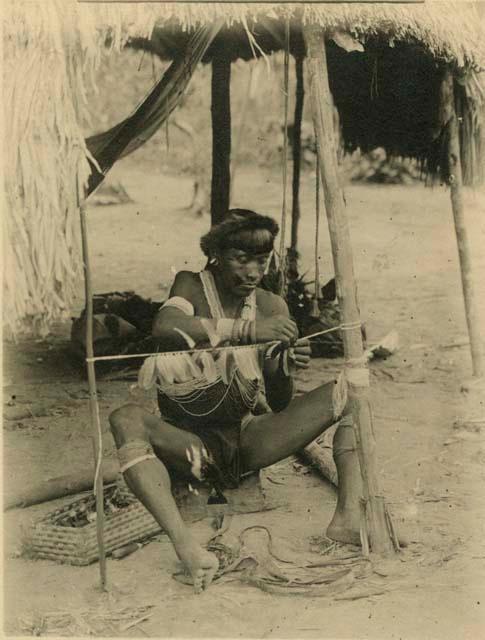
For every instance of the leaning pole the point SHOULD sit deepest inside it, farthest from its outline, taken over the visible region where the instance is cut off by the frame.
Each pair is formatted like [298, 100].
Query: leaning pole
[93, 397]
[296, 147]
[356, 368]
[449, 118]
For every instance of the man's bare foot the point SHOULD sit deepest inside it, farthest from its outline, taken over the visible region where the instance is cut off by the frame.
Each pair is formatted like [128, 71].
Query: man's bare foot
[345, 527]
[199, 563]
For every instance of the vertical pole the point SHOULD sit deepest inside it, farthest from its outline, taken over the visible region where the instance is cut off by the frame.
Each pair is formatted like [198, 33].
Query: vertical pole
[449, 118]
[356, 365]
[296, 148]
[221, 135]
[93, 401]
[283, 273]
[318, 292]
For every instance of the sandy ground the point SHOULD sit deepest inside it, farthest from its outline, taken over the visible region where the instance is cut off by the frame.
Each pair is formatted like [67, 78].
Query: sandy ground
[431, 474]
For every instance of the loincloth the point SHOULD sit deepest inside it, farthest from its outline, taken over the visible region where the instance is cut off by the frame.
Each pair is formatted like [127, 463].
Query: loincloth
[223, 444]
[220, 433]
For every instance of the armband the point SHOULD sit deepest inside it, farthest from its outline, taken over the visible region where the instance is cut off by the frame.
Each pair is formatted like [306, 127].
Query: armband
[273, 351]
[247, 332]
[277, 350]
[188, 339]
[181, 304]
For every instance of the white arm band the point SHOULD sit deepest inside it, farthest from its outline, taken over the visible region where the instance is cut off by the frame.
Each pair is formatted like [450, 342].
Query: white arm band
[180, 303]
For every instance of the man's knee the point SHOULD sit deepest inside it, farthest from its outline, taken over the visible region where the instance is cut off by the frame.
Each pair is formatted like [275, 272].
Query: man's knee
[127, 422]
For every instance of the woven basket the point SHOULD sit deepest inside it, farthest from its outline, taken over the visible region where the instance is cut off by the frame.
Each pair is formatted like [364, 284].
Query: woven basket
[78, 545]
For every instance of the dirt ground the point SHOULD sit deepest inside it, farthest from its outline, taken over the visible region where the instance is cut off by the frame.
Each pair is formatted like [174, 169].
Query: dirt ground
[431, 473]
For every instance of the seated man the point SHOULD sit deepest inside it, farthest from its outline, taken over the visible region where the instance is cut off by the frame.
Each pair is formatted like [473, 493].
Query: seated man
[211, 425]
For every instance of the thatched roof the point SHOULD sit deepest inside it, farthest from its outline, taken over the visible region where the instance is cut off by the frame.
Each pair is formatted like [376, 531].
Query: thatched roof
[448, 29]
[51, 47]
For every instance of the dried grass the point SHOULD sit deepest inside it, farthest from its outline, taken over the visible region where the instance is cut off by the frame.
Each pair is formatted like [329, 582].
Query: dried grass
[86, 622]
[45, 154]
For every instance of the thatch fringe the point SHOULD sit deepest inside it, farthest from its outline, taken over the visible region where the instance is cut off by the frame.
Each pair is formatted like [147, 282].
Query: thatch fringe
[449, 29]
[51, 48]
[44, 153]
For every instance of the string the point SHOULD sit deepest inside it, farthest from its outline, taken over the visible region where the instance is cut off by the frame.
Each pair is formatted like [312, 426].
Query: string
[130, 356]
[349, 326]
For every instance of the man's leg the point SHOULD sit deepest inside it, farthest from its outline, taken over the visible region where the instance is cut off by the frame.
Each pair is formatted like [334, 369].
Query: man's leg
[134, 430]
[272, 437]
[345, 524]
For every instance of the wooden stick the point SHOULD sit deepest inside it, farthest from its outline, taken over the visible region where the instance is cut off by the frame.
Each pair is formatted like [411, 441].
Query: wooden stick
[58, 487]
[221, 135]
[369, 593]
[133, 623]
[286, 89]
[364, 535]
[296, 148]
[449, 118]
[320, 454]
[322, 109]
[392, 529]
[321, 458]
[93, 402]
[318, 293]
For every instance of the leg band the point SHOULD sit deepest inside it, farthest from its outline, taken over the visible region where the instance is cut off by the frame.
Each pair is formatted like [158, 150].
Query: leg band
[134, 452]
[339, 396]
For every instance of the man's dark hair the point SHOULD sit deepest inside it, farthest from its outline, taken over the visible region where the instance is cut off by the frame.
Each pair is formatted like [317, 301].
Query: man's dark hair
[241, 229]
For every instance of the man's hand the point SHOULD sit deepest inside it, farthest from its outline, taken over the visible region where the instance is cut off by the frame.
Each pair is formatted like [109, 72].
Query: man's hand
[300, 354]
[278, 327]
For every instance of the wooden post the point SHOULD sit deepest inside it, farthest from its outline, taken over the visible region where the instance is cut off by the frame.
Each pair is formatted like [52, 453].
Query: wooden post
[241, 129]
[221, 135]
[296, 148]
[356, 366]
[449, 118]
[93, 402]
[53, 488]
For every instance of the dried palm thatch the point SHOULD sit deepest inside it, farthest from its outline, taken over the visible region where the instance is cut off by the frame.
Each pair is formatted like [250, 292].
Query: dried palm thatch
[51, 49]
[45, 155]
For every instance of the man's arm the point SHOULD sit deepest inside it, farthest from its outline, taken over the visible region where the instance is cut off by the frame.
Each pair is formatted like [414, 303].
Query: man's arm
[170, 320]
[279, 385]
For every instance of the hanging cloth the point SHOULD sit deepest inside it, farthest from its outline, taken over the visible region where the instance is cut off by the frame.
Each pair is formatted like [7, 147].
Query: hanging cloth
[134, 131]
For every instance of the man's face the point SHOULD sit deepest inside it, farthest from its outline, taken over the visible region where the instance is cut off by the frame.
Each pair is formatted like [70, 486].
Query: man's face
[241, 271]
